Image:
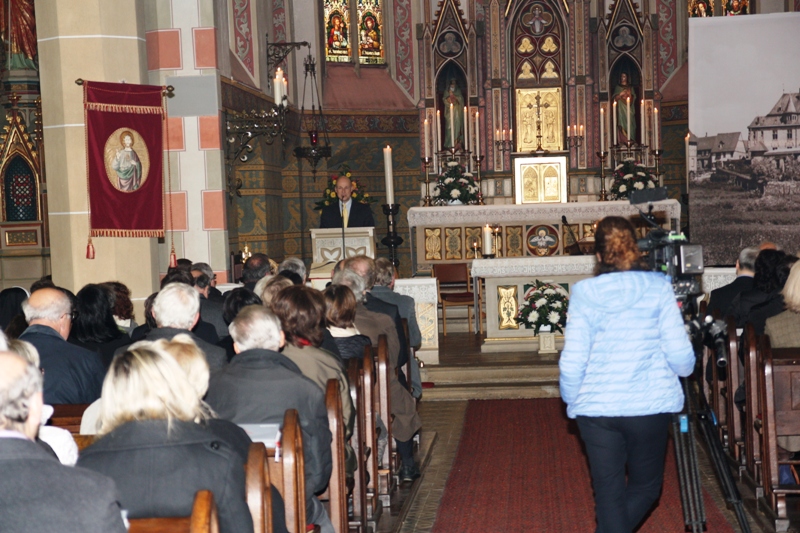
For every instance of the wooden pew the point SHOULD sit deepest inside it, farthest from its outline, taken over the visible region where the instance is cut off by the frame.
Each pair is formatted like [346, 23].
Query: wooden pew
[258, 490]
[411, 355]
[374, 507]
[357, 523]
[780, 404]
[336, 495]
[68, 416]
[752, 439]
[203, 519]
[733, 416]
[386, 464]
[288, 473]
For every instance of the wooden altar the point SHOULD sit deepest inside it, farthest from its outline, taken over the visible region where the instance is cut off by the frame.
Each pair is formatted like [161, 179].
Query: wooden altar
[452, 234]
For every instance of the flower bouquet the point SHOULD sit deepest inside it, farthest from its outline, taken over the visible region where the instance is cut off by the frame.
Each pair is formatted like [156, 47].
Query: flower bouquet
[455, 185]
[359, 193]
[545, 307]
[630, 176]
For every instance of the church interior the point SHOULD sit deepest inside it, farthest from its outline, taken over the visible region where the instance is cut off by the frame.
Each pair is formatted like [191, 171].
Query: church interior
[488, 138]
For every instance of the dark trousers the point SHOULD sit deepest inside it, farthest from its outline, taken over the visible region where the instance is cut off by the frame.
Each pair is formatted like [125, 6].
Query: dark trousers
[612, 443]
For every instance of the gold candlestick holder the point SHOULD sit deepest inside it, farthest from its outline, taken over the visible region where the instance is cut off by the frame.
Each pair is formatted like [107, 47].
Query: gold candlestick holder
[478, 160]
[657, 154]
[603, 193]
[426, 163]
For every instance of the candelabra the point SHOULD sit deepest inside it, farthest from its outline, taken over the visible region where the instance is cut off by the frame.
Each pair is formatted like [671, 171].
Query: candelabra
[392, 239]
[504, 145]
[426, 163]
[602, 155]
[478, 159]
[575, 141]
[657, 154]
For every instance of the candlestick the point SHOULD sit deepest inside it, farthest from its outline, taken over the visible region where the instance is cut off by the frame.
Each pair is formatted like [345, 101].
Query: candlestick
[602, 155]
[641, 113]
[655, 128]
[426, 162]
[438, 132]
[602, 127]
[467, 144]
[628, 132]
[686, 147]
[427, 135]
[387, 167]
[477, 137]
[478, 160]
[614, 115]
[488, 241]
[392, 239]
[452, 128]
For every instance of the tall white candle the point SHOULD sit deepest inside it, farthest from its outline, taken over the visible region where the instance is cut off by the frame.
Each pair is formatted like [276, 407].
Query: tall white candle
[655, 127]
[427, 131]
[488, 241]
[580, 131]
[614, 118]
[477, 137]
[467, 143]
[686, 147]
[452, 128]
[387, 167]
[628, 132]
[438, 131]
[602, 128]
[277, 86]
[285, 90]
[641, 113]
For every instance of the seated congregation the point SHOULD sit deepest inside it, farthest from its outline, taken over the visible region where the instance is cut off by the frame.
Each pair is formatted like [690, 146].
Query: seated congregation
[752, 396]
[106, 423]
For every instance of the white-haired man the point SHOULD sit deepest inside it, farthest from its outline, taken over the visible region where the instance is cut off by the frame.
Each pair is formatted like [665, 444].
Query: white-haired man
[296, 265]
[37, 493]
[260, 384]
[73, 374]
[177, 310]
[204, 268]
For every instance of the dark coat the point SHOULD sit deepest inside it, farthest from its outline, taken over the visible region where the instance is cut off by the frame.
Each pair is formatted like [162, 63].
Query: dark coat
[360, 216]
[158, 470]
[258, 386]
[352, 347]
[377, 305]
[71, 374]
[755, 306]
[721, 298]
[105, 350]
[211, 312]
[37, 493]
[215, 356]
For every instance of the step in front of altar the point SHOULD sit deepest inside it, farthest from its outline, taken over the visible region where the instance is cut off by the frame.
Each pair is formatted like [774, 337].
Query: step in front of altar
[536, 379]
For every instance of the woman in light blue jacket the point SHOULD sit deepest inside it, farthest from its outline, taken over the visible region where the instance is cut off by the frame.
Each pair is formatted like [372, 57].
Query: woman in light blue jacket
[625, 348]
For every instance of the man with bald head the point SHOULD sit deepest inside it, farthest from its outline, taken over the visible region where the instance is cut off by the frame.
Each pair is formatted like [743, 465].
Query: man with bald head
[37, 493]
[344, 210]
[71, 373]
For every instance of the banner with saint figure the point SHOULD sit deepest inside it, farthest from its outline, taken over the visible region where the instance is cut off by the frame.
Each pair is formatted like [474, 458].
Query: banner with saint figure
[124, 159]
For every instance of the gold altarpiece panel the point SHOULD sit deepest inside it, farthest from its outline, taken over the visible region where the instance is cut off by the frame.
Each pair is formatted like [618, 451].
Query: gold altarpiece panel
[550, 116]
[540, 180]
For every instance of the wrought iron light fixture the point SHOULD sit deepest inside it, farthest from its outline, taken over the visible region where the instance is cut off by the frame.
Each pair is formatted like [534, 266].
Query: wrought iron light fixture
[313, 123]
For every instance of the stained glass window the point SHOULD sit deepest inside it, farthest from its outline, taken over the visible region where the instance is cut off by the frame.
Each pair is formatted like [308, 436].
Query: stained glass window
[370, 32]
[337, 31]
[20, 191]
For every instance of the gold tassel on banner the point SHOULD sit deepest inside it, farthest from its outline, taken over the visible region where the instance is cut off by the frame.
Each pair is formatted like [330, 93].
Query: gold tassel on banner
[90, 249]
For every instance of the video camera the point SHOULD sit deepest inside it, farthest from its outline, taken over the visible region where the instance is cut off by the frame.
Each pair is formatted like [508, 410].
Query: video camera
[670, 253]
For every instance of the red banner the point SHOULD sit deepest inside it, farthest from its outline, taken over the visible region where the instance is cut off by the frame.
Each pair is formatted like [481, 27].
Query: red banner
[124, 159]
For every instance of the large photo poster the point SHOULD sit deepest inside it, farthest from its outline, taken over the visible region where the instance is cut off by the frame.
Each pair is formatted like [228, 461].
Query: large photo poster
[744, 118]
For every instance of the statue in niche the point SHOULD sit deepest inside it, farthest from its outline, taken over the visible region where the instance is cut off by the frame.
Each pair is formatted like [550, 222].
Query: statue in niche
[622, 92]
[452, 95]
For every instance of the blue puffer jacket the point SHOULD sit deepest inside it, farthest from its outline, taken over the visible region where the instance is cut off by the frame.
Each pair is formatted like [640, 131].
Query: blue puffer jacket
[625, 346]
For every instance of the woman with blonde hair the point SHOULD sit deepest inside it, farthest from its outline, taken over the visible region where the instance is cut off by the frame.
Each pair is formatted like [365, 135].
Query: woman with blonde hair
[154, 445]
[784, 328]
[625, 348]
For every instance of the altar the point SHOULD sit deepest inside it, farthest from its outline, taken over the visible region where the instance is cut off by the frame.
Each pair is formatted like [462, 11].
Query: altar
[454, 234]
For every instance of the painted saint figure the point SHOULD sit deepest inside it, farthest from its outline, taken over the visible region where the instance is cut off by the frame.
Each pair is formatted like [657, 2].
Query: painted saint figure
[542, 242]
[337, 37]
[621, 93]
[127, 164]
[370, 36]
[452, 95]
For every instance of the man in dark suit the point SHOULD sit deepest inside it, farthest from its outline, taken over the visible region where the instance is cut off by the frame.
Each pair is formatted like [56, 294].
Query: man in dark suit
[177, 310]
[213, 292]
[210, 310]
[721, 298]
[256, 267]
[72, 374]
[260, 384]
[37, 493]
[354, 214]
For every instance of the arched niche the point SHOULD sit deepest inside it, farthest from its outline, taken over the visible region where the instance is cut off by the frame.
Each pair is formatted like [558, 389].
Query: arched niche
[449, 73]
[20, 193]
[625, 67]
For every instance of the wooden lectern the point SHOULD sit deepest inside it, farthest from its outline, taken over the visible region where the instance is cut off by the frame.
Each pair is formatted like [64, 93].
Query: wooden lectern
[331, 245]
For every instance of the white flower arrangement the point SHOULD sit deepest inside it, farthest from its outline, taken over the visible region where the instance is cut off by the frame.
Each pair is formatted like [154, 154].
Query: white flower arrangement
[630, 176]
[545, 306]
[455, 184]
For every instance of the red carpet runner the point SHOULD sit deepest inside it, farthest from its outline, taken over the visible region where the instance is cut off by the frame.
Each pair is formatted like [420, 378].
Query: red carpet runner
[520, 467]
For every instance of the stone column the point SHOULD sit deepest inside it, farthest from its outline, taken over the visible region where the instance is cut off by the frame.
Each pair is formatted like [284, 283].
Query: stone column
[99, 41]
